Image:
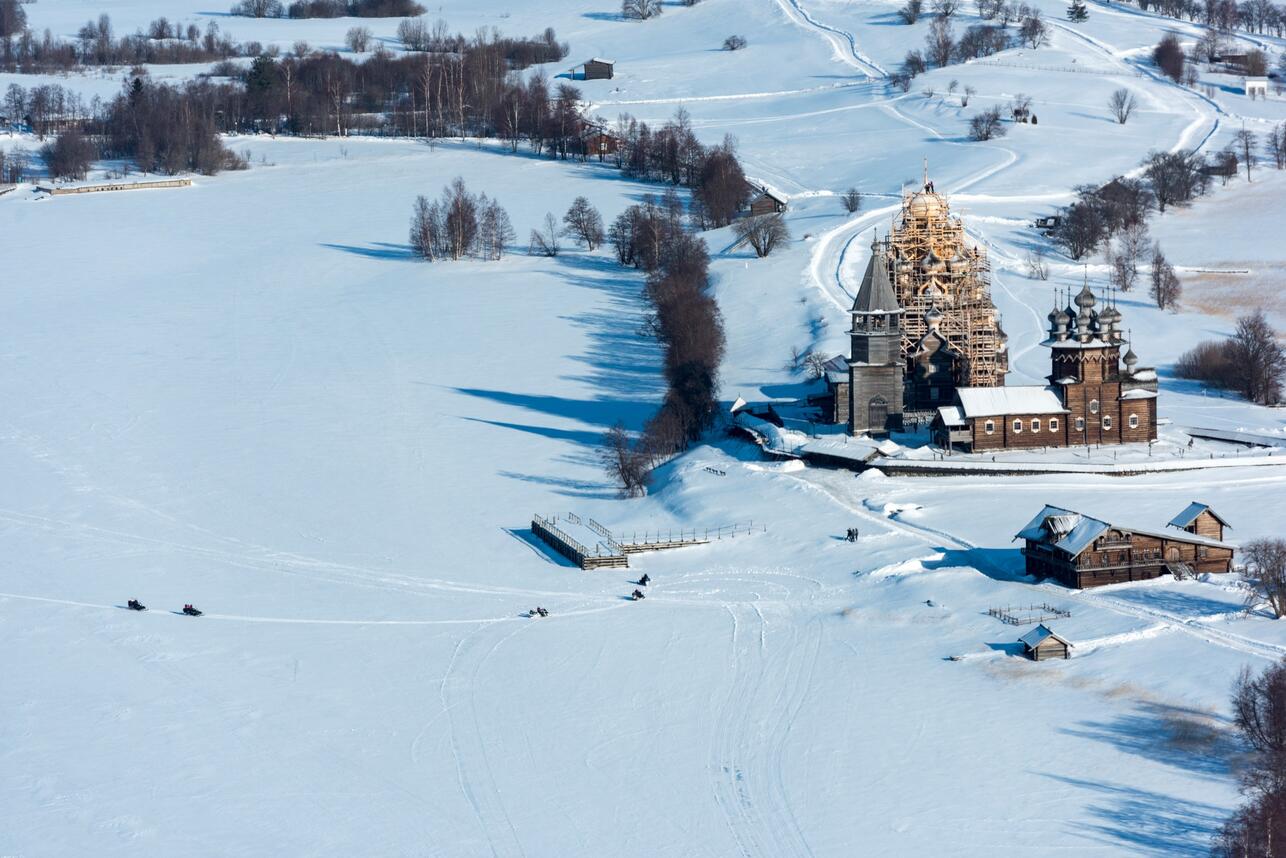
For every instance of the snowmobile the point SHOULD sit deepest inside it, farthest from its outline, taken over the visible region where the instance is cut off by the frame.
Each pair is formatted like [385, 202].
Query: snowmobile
[643, 582]
[538, 612]
[191, 611]
[636, 595]
[136, 605]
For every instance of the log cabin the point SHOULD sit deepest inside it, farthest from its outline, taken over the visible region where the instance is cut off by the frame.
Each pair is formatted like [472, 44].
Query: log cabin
[764, 202]
[598, 69]
[1080, 551]
[1041, 643]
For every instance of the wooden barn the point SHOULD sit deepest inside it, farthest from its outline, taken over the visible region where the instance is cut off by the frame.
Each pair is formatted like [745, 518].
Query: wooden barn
[1041, 643]
[764, 201]
[1079, 551]
[598, 69]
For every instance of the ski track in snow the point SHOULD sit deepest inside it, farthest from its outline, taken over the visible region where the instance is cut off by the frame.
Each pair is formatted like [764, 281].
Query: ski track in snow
[843, 43]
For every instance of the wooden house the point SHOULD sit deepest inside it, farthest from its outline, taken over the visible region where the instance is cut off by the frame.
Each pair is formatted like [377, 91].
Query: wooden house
[764, 201]
[600, 143]
[1080, 551]
[598, 69]
[1201, 520]
[1041, 643]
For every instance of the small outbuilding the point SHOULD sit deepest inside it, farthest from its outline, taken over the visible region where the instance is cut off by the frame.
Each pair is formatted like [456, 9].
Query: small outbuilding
[764, 201]
[1257, 87]
[1201, 520]
[598, 69]
[1041, 643]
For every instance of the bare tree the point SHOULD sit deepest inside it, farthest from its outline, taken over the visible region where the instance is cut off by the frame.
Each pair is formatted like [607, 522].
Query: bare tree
[851, 200]
[1122, 104]
[1246, 142]
[815, 365]
[1166, 288]
[495, 230]
[624, 463]
[986, 125]
[734, 43]
[358, 39]
[939, 43]
[1033, 31]
[544, 242]
[911, 11]
[1037, 267]
[584, 223]
[966, 95]
[1266, 561]
[640, 10]
[1260, 360]
[414, 34]
[945, 8]
[763, 232]
[1122, 271]
[1275, 145]
[426, 228]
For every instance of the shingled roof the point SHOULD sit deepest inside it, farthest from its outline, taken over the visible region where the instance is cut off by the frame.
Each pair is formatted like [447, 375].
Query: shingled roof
[876, 295]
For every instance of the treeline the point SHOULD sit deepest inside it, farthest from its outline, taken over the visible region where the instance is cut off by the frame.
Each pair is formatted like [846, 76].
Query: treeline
[96, 44]
[942, 47]
[328, 9]
[1258, 828]
[686, 321]
[1254, 16]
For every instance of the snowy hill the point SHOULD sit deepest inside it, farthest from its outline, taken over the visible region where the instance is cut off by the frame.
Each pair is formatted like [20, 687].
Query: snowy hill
[248, 396]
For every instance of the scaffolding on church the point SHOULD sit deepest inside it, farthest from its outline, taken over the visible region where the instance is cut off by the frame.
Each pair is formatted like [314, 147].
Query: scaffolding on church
[932, 266]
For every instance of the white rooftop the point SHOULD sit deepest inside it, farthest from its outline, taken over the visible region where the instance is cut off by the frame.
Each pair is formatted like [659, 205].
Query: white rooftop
[1001, 401]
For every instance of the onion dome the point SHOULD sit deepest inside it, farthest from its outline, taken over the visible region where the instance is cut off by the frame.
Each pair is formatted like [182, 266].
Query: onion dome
[1085, 298]
[1131, 360]
[925, 205]
[933, 318]
[930, 261]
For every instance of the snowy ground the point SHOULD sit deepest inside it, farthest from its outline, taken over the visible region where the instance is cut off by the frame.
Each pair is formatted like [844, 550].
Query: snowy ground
[246, 395]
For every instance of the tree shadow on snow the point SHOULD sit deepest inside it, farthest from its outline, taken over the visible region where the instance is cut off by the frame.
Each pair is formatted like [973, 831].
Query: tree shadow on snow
[566, 487]
[1146, 822]
[378, 250]
[1187, 739]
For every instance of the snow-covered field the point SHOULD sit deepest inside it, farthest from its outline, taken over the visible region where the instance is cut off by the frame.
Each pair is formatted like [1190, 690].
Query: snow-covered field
[246, 395]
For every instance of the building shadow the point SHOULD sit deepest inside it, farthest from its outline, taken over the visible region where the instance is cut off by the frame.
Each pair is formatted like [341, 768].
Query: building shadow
[999, 564]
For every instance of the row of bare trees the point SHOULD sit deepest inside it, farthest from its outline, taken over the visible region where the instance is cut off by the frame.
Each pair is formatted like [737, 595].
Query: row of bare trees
[327, 8]
[1258, 828]
[96, 44]
[1251, 362]
[685, 320]
[942, 48]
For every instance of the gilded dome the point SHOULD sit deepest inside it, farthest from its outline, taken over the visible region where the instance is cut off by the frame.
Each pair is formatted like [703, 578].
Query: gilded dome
[926, 205]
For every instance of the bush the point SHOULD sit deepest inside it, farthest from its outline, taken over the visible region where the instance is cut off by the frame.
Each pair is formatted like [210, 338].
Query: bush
[1168, 55]
[911, 11]
[640, 10]
[734, 43]
[69, 156]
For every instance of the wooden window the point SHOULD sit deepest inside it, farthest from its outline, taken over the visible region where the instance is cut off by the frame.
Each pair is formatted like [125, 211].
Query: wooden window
[1053, 424]
[1035, 425]
[1107, 422]
[1018, 427]
[1093, 406]
[989, 427]
[1134, 421]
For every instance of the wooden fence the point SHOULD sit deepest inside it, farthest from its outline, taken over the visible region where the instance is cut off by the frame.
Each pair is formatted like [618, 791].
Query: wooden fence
[116, 186]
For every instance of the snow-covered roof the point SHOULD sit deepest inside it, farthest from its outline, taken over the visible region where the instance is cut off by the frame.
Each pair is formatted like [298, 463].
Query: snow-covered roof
[1094, 343]
[1001, 401]
[1064, 529]
[1074, 532]
[1190, 514]
[1039, 635]
[601, 60]
[836, 369]
[1144, 375]
[951, 415]
[1140, 393]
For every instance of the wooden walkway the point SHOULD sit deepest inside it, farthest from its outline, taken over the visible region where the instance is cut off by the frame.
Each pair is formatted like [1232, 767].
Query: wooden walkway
[612, 551]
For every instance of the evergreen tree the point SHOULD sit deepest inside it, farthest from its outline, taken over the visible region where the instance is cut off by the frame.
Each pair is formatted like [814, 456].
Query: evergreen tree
[1077, 11]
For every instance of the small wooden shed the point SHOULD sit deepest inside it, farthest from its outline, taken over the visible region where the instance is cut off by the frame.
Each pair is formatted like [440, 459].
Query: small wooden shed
[599, 69]
[1200, 519]
[764, 201]
[1041, 643]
